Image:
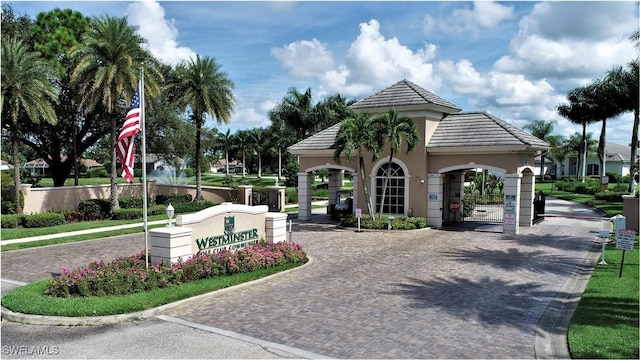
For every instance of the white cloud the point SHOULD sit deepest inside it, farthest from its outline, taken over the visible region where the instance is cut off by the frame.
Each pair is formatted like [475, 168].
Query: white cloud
[482, 15]
[550, 44]
[161, 34]
[372, 62]
[304, 58]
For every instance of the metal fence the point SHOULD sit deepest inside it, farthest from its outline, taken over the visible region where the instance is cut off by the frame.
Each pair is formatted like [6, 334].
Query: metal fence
[270, 197]
[487, 208]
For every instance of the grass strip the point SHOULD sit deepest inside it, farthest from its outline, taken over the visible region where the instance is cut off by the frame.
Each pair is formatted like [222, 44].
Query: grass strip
[609, 209]
[18, 233]
[28, 299]
[70, 239]
[605, 324]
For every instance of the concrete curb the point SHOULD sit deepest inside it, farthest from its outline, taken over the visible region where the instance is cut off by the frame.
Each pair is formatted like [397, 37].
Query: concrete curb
[557, 316]
[139, 315]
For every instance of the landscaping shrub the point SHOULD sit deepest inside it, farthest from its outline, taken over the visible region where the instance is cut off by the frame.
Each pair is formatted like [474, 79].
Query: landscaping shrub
[97, 172]
[190, 207]
[130, 202]
[95, 209]
[398, 223]
[137, 213]
[157, 210]
[614, 177]
[43, 220]
[11, 221]
[165, 199]
[129, 275]
[126, 214]
[8, 207]
[610, 196]
[291, 195]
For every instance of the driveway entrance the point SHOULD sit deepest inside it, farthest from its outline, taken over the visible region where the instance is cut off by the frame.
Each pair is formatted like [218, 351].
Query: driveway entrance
[408, 294]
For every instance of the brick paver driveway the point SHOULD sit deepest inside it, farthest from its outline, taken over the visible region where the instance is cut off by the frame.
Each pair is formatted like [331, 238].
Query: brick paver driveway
[408, 294]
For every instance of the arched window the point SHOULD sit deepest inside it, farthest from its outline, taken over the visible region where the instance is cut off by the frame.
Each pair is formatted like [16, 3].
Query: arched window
[394, 200]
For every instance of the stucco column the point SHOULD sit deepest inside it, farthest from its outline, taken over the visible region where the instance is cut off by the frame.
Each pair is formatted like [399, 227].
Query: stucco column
[335, 183]
[304, 195]
[434, 199]
[244, 194]
[527, 193]
[511, 203]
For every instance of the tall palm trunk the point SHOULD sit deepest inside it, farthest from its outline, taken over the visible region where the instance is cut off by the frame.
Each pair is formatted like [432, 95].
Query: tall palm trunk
[16, 168]
[602, 156]
[365, 188]
[634, 144]
[386, 182]
[199, 196]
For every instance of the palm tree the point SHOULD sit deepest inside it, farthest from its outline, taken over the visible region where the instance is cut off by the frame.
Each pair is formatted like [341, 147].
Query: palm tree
[280, 137]
[205, 90]
[559, 150]
[579, 111]
[623, 84]
[240, 142]
[108, 73]
[225, 142]
[541, 129]
[357, 135]
[297, 112]
[395, 129]
[27, 95]
[259, 145]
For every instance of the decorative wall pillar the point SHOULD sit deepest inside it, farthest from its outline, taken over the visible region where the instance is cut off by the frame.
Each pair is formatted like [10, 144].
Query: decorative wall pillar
[305, 182]
[170, 244]
[435, 199]
[335, 184]
[244, 194]
[527, 193]
[511, 203]
[275, 227]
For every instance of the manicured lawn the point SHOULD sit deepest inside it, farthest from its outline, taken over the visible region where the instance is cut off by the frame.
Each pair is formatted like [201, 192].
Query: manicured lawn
[28, 299]
[610, 209]
[605, 324]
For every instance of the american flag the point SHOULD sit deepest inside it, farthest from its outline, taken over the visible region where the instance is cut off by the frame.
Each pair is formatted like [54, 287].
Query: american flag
[125, 145]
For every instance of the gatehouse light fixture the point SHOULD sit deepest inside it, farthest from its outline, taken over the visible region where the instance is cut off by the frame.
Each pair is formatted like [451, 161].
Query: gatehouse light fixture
[170, 212]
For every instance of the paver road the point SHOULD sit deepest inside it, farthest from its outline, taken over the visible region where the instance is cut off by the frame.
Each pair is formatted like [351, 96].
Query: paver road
[408, 294]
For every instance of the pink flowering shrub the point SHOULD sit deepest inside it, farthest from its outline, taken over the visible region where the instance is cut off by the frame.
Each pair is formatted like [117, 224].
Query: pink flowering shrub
[129, 275]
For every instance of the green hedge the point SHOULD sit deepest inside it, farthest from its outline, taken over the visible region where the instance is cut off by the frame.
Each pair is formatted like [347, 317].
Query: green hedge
[610, 196]
[398, 223]
[173, 198]
[129, 214]
[43, 220]
[94, 209]
[10, 221]
[190, 207]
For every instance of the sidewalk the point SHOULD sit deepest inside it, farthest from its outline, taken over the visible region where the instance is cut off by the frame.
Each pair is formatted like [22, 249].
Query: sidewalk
[79, 232]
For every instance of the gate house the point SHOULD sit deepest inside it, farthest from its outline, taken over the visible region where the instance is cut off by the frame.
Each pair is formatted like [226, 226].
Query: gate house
[425, 182]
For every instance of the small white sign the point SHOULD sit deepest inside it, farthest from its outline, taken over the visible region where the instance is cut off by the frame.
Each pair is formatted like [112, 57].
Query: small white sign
[358, 213]
[625, 239]
[509, 219]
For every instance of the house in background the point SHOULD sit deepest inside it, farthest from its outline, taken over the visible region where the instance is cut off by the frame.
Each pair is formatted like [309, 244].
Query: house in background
[157, 162]
[618, 160]
[5, 165]
[39, 167]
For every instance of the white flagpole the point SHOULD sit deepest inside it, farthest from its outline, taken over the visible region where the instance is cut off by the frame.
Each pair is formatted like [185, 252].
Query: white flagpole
[144, 170]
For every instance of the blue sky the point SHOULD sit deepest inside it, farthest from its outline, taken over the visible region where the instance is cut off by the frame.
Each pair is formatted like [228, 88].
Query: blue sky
[516, 60]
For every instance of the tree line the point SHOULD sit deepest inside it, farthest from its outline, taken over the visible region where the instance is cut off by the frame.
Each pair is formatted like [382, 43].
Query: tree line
[68, 80]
